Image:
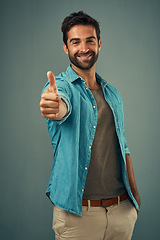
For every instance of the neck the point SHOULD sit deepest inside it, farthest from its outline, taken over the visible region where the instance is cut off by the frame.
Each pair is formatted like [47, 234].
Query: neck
[89, 76]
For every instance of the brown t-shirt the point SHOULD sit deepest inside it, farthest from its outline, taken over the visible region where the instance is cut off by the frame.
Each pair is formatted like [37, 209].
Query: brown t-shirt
[104, 179]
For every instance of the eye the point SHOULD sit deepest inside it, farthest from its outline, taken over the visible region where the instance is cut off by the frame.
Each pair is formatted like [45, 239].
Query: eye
[90, 41]
[75, 42]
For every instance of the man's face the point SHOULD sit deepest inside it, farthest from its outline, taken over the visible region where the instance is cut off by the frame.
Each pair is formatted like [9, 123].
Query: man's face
[82, 46]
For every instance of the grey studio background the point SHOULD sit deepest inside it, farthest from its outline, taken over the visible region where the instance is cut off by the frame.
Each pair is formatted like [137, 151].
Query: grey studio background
[31, 44]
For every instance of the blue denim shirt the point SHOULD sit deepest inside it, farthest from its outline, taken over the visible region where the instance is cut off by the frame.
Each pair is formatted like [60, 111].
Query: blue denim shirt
[72, 139]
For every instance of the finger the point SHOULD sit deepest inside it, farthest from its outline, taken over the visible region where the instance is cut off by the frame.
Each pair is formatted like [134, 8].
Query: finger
[49, 96]
[49, 104]
[52, 84]
[49, 110]
[50, 116]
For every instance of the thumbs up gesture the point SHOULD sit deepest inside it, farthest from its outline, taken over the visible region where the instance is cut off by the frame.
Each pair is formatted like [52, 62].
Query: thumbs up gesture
[52, 83]
[51, 104]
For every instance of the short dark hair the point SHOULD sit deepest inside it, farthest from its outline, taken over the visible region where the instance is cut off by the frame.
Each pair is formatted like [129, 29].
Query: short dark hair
[79, 18]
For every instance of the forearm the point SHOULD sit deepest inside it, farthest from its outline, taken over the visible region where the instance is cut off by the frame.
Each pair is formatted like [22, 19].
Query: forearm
[131, 179]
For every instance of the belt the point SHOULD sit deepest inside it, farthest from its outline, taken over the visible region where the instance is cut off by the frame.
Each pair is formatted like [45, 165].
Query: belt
[105, 202]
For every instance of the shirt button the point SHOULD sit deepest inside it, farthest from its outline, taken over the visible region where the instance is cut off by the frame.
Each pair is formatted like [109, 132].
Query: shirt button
[82, 190]
[90, 147]
[85, 168]
[94, 106]
[94, 126]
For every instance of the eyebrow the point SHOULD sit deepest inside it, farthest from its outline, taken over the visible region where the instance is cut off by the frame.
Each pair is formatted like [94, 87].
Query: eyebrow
[74, 39]
[91, 37]
[77, 39]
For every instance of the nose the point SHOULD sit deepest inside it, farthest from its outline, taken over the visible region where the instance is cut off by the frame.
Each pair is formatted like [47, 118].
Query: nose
[84, 47]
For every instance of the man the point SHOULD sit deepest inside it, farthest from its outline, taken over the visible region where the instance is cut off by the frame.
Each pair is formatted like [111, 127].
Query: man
[92, 185]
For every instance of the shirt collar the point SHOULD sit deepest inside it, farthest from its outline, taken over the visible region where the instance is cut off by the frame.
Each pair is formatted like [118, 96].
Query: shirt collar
[73, 76]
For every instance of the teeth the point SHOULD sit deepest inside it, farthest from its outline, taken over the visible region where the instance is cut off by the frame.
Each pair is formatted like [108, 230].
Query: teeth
[85, 56]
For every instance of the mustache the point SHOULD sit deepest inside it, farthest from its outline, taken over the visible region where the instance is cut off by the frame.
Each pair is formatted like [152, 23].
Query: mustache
[84, 54]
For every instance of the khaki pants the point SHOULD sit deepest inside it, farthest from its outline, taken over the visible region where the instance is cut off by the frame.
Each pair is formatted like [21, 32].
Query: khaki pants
[97, 223]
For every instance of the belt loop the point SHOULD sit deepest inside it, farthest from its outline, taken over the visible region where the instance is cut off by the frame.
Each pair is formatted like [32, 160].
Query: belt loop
[89, 204]
[118, 200]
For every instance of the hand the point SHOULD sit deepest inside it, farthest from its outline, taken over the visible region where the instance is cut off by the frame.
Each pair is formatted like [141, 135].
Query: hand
[137, 197]
[51, 104]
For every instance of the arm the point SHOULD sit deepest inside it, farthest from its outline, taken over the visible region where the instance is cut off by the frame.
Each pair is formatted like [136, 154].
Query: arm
[51, 104]
[131, 179]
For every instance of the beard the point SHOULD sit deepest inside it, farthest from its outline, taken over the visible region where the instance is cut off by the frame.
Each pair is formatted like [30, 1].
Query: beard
[86, 63]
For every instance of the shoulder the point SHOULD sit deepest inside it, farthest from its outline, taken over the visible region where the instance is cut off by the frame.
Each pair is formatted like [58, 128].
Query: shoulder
[63, 84]
[63, 79]
[115, 92]
[113, 89]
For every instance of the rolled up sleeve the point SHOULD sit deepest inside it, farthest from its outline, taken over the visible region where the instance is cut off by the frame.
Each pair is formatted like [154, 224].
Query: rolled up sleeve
[69, 108]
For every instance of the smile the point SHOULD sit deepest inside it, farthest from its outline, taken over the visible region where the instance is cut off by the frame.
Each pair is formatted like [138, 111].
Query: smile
[85, 56]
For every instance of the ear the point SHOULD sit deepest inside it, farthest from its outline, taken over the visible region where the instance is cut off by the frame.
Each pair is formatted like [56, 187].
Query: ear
[100, 44]
[65, 48]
